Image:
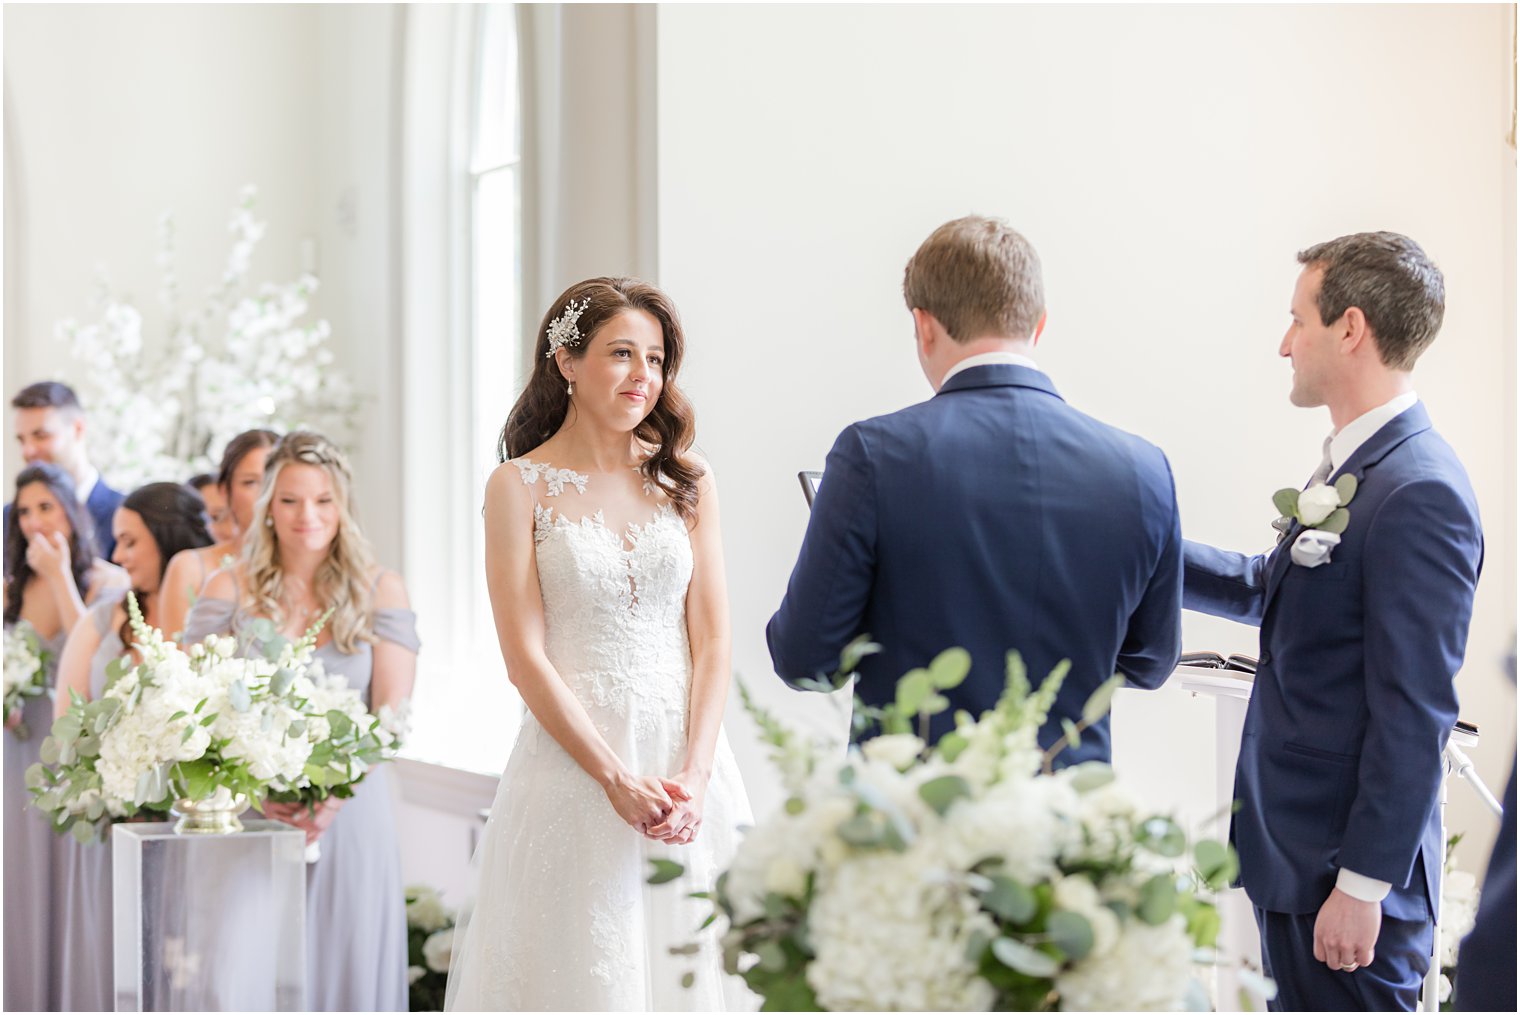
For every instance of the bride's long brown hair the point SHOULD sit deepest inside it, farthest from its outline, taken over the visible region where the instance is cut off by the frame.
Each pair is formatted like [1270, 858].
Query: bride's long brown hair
[670, 426]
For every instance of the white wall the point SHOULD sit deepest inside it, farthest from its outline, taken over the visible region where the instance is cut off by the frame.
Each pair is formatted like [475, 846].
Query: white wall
[1167, 163]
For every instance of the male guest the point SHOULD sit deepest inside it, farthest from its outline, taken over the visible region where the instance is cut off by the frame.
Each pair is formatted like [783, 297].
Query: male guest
[50, 427]
[1362, 633]
[993, 516]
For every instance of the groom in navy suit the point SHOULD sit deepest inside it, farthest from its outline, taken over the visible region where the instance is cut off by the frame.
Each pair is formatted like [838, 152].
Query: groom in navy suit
[1362, 633]
[993, 516]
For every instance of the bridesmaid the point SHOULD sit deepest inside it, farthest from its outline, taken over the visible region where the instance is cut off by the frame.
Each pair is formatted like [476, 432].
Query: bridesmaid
[303, 554]
[152, 524]
[238, 482]
[51, 575]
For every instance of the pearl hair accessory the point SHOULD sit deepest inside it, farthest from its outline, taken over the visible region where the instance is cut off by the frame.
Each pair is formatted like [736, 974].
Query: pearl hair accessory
[562, 330]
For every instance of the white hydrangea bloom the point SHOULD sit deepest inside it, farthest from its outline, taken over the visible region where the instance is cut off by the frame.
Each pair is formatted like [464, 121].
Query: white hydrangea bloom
[1147, 969]
[892, 936]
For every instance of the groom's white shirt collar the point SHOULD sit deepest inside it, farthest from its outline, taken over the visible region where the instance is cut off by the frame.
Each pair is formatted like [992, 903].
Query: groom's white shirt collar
[86, 486]
[1345, 441]
[982, 359]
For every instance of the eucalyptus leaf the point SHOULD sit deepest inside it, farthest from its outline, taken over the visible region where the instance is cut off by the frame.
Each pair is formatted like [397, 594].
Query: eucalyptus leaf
[1021, 958]
[687, 979]
[772, 958]
[795, 806]
[1090, 775]
[1162, 835]
[1010, 900]
[83, 832]
[665, 870]
[1070, 932]
[943, 791]
[1101, 700]
[1286, 501]
[913, 690]
[862, 830]
[1158, 900]
[1337, 522]
[951, 745]
[949, 668]
[238, 696]
[1346, 487]
[1073, 735]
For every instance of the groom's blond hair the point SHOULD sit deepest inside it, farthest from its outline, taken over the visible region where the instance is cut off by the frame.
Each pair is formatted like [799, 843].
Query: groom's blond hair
[978, 277]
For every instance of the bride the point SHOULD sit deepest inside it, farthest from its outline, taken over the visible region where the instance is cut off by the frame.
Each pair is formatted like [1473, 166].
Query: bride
[605, 568]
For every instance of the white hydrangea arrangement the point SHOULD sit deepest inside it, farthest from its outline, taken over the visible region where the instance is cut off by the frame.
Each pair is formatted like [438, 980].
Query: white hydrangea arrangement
[430, 947]
[346, 741]
[966, 875]
[187, 724]
[244, 360]
[26, 663]
[1459, 914]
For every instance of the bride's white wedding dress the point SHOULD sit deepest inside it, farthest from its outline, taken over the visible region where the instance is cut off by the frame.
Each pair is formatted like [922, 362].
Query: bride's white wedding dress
[564, 917]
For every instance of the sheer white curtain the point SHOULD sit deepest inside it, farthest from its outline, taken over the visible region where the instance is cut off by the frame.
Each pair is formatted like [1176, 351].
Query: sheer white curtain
[526, 164]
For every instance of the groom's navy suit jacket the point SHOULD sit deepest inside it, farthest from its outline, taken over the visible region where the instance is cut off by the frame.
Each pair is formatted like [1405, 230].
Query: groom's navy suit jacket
[994, 517]
[1341, 758]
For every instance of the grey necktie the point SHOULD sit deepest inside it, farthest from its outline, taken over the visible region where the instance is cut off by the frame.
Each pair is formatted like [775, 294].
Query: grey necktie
[1322, 474]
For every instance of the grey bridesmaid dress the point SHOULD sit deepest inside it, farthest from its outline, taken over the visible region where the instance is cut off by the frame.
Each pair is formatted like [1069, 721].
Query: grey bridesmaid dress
[356, 950]
[32, 860]
[84, 906]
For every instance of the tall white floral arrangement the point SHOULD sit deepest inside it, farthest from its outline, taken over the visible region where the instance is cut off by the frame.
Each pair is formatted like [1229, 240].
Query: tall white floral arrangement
[246, 358]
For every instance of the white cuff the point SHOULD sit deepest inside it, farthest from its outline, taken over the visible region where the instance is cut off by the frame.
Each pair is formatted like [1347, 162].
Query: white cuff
[1361, 887]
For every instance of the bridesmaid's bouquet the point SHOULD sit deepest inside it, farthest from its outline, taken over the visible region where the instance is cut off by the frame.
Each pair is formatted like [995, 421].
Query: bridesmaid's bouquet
[192, 725]
[346, 739]
[26, 663]
[965, 874]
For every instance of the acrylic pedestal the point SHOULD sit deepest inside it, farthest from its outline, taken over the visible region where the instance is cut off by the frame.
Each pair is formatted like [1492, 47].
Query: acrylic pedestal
[209, 922]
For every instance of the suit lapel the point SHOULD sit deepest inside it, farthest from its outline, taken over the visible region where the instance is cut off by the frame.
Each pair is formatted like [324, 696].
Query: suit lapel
[1373, 450]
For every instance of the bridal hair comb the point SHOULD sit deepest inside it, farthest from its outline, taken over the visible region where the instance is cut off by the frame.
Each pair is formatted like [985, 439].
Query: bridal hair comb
[563, 330]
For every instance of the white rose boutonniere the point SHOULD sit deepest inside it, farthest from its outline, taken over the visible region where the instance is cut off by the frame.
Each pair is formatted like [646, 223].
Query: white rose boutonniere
[1322, 511]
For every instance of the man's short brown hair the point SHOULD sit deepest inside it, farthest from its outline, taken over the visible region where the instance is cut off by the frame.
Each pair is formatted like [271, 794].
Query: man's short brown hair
[1394, 284]
[978, 277]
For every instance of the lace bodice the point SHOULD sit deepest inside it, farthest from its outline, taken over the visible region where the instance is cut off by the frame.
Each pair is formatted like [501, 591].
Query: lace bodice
[614, 603]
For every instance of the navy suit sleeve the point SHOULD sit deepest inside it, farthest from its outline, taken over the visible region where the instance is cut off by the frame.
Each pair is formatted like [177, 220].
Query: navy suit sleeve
[1224, 583]
[1153, 643]
[826, 598]
[1419, 571]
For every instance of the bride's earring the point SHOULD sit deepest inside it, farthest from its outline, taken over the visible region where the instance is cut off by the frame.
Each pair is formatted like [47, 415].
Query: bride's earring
[570, 390]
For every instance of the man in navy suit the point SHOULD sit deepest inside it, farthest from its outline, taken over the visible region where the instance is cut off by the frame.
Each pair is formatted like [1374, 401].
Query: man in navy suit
[50, 427]
[1338, 783]
[993, 516]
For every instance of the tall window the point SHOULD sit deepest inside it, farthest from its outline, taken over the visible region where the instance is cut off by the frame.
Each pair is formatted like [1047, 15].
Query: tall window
[467, 715]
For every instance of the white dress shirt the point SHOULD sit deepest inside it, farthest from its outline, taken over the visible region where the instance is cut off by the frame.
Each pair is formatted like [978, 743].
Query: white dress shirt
[86, 485]
[1343, 443]
[984, 358]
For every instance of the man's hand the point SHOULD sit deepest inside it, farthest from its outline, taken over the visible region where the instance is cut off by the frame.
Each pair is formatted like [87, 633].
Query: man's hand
[1346, 931]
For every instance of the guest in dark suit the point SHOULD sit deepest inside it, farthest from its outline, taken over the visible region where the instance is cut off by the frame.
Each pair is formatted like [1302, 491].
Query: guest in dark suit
[50, 426]
[993, 516]
[1341, 758]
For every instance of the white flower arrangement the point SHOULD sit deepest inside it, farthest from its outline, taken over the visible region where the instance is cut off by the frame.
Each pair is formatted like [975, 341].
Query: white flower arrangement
[430, 947]
[1459, 914]
[243, 360]
[184, 724]
[966, 875]
[26, 664]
